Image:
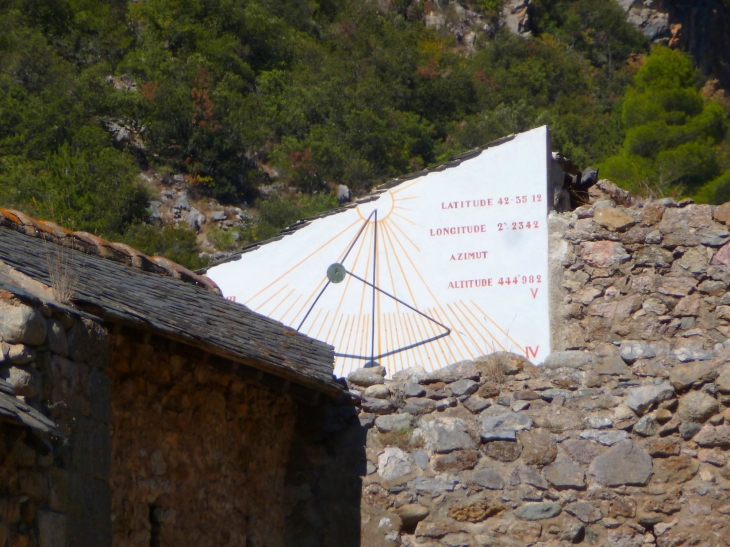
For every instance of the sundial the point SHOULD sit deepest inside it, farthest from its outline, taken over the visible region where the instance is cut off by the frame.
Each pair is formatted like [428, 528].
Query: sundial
[437, 269]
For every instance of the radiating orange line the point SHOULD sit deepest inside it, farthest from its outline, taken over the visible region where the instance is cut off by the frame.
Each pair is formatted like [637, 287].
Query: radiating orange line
[468, 332]
[271, 313]
[434, 331]
[324, 280]
[418, 273]
[397, 334]
[387, 343]
[417, 349]
[347, 284]
[364, 286]
[324, 321]
[272, 296]
[406, 236]
[392, 280]
[475, 328]
[500, 328]
[314, 323]
[364, 336]
[454, 330]
[289, 309]
[348, 349]
[413, 302]
[404, 199]
[404, 218]
[338, 345]
[310, 255]
[478, 321]
[416, 319]
[335, 321]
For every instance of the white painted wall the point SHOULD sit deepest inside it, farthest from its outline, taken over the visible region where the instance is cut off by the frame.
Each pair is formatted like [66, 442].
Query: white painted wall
[466, 246]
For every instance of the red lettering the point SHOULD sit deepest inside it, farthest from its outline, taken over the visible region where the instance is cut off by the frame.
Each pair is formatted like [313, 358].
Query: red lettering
[534, 292]
[529, 351]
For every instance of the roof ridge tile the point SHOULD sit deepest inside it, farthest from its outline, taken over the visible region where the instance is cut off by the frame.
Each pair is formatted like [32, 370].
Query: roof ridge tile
[92, 244]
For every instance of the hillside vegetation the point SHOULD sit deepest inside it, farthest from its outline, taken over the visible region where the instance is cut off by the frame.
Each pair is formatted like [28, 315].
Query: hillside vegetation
[233, 94]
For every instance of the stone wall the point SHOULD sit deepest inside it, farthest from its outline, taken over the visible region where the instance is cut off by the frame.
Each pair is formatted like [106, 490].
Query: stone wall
[621, 438]
[199, 456]
[54, 492]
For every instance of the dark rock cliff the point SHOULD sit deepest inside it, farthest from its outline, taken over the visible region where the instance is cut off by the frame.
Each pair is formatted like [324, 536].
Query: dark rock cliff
[705, 33]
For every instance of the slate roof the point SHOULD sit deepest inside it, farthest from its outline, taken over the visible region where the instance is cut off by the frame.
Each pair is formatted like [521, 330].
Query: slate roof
[14, 410]
[167, 300]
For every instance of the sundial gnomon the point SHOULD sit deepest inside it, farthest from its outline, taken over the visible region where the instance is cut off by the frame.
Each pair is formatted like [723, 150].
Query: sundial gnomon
[336, 274]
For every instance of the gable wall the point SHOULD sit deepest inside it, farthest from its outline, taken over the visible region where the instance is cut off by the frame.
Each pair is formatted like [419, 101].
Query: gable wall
[198, 456]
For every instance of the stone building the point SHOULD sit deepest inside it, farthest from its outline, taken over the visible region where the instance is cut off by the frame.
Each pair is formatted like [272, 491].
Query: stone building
[140, 408]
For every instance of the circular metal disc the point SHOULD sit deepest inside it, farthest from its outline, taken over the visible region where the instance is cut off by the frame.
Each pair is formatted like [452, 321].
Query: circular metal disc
[336, 273]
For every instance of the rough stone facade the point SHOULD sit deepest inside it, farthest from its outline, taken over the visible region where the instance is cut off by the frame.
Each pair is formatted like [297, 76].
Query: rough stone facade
[55, 491]
[198, 456]
[157, 445]
[621, 438]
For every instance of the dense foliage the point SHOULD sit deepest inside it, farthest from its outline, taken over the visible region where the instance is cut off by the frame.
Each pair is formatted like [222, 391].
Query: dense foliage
[230, 92]
[674, 137]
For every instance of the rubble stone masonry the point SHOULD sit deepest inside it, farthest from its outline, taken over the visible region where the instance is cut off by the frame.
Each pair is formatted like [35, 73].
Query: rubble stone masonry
[198, 456]
[620, 439]
[55, 492]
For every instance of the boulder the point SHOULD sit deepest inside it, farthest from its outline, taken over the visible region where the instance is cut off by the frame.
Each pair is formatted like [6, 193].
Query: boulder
[632, 351]
[366, 377]
[503, 451]
[444, 435]
[697, 406]
[21, 324]
[723, 380]
[393, 464]
[377, 406]
[710, 436]
[412, 513]
[603, 254]
[646, 426]
[641, 399]
[606, 438]
[476, 404]
[377, 391]
[686, 375]
[463, 387]
[412, 374]
[393, 422]
[569, 359]
[538, 511]
[504, 427]
[486, 478]
[453, 373]
[584, 511]
[624, 464]
[565, 474]
[540, 447]
[613, 219]
[411, 389]
[57, 341]
[26, 382]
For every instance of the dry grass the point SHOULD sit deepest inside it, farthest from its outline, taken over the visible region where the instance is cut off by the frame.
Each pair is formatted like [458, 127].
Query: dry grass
[62, 269]
[401, 438]
[492, 371]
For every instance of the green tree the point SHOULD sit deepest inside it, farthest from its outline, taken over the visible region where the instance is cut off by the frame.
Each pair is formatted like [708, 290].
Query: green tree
[672, 132]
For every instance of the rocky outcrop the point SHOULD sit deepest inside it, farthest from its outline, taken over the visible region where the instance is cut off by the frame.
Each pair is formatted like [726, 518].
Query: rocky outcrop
[700, 28]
